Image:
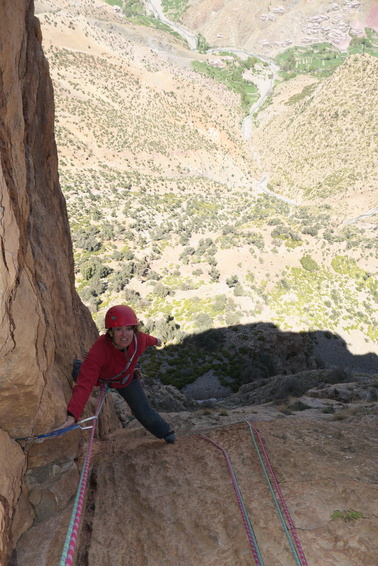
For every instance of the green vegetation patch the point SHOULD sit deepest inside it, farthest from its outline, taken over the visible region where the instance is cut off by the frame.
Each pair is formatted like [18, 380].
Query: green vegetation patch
[348, 266]
[324, 298]
[134, 10]
[174, 9]
[306, 92]
[321, 59]
[231, 74]
[309, 264]
[212, 350]
[349, 515]
[368, 44]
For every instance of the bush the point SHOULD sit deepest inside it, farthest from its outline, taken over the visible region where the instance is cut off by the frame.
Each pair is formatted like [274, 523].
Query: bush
[214, 274]
[161, 290]
[211, 340]
[98, 286]
[238, 290]
[220, 303]
[197, 272]
[232, 281]
[232, 318]
[128, 255]
[310, 230]
[166, 329]
[91, 268]
[132, 296]
[204, 321]
[87, 270]
[309, 264]
[152, 275]
[188, 251]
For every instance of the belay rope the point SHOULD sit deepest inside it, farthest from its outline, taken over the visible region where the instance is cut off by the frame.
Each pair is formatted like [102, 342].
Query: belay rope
[296, 547]
[293, 539]
[73, 528]
[243, 511]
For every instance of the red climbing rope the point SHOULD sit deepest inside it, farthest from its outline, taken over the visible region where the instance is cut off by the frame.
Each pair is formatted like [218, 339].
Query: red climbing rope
[246, 521]
[73, 529]
[282, 499]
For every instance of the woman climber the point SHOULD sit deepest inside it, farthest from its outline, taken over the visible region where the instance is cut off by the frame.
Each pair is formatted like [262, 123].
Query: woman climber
[112, 360]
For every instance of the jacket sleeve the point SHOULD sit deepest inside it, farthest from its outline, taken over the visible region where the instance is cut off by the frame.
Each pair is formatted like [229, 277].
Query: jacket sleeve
[86, 380]
[150, 340]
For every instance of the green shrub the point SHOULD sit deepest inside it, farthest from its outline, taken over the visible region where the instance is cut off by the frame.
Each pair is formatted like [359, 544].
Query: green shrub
[204, 321]
[238, 290]
[349, 515]
[161, 290]
[214, 274]
[232, 281]
[309, 264]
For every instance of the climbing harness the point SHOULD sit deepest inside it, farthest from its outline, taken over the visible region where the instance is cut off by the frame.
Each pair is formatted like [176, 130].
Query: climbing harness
[243, 511]
[73, 528]
[118, 377]
[276, 493]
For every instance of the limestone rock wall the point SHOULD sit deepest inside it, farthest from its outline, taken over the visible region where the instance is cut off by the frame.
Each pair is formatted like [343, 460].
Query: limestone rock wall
[43, 322]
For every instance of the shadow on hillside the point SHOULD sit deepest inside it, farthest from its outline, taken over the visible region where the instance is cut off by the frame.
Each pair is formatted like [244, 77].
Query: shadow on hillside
[216, 362]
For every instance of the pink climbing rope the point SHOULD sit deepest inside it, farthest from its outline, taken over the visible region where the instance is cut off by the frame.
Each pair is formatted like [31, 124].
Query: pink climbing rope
[247, 524]
[282, 499]
[73, 529]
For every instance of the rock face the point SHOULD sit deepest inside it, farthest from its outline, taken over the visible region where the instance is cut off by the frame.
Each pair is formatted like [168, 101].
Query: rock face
[43, 322]
[152, 503]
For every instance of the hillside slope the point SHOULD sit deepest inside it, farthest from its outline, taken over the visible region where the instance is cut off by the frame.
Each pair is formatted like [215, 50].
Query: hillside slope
[267, 27]
[130, 110]
[165, 196]
[319, 145]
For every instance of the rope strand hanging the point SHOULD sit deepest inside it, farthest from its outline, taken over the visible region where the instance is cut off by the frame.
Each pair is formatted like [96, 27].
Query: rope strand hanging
[243, 511]
[73, 528]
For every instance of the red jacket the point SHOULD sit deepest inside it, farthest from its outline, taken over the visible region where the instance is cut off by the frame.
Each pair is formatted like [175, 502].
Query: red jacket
[104, 362]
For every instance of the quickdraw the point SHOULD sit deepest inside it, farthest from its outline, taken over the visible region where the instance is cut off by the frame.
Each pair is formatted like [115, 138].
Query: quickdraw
[59, 432]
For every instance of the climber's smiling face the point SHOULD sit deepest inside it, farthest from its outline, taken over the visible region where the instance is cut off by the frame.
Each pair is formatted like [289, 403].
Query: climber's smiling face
[122, 336]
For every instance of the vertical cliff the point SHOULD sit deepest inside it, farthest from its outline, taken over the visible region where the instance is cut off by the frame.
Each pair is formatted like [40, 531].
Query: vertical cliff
[43, 323]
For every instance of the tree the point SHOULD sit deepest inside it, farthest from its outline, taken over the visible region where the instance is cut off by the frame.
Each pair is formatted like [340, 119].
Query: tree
[214, 274]
[238, 290]
[232, 281]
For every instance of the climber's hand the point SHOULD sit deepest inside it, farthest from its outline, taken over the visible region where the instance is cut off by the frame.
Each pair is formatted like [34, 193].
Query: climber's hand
[70, 421]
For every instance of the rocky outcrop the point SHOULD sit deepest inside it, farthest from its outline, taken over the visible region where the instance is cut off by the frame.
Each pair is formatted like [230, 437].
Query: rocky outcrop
[151, 503]
[43, 322]
[337, 383]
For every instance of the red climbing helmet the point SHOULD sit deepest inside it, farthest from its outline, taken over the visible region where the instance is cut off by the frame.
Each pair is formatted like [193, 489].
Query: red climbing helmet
[120, 315]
